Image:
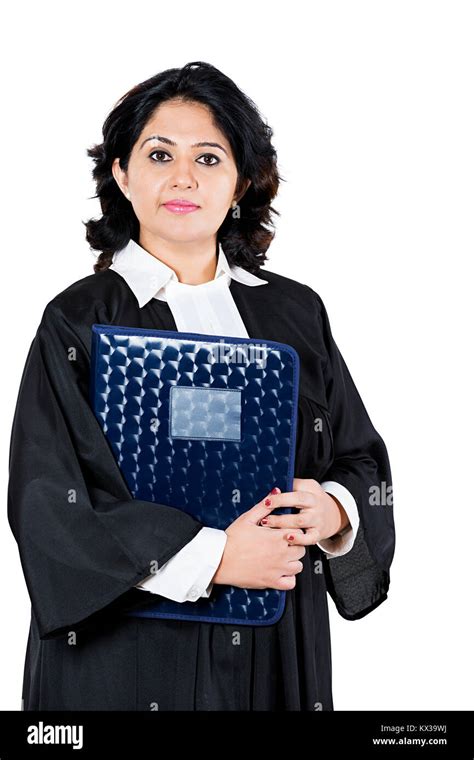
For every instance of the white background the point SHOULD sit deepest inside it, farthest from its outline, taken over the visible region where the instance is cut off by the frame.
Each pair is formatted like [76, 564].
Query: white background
[372, 109]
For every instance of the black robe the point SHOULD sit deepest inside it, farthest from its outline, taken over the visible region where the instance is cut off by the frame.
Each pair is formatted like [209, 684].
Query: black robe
[84, 542]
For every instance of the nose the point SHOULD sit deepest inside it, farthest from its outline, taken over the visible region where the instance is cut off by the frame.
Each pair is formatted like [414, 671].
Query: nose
[183, 175]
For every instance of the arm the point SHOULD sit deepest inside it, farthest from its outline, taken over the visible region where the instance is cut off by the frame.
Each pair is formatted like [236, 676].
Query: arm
[84, 542]
[343, 541]
[187, 576]
[359, 580]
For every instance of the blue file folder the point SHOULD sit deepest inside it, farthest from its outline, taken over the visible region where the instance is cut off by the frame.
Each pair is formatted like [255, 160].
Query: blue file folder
[202, 423]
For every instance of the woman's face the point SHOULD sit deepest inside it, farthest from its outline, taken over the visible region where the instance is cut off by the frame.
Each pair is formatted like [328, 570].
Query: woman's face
[167, 164]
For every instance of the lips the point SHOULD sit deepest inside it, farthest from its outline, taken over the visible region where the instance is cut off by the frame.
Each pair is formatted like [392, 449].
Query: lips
[180, 206]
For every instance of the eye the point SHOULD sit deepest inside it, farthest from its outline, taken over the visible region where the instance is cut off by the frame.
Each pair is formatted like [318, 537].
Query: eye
[210, 155]
[160, 153]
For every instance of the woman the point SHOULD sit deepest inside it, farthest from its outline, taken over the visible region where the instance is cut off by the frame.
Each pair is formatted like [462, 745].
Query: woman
[186, 174]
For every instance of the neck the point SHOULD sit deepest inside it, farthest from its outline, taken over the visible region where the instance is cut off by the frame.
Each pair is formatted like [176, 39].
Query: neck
[194, 263]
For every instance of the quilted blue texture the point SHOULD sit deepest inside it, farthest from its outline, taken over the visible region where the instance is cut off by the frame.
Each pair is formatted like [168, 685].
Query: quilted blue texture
[217, 471]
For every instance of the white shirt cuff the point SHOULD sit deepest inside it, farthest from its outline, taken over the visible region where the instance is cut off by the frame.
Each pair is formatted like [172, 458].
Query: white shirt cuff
[187, 575]
[343, 544]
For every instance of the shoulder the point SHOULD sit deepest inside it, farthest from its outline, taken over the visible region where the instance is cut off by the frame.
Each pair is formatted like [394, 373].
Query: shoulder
[86, 300]
[99, 287]
[291, 291]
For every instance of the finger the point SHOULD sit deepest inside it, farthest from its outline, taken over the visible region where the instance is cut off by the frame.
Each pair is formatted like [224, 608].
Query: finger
[300, 520]
[309, 538]
[283, 532]
[294, 499]
[295, 566]
[263, 507]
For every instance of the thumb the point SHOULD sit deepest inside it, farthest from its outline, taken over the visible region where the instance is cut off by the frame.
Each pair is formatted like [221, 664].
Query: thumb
[255, 514]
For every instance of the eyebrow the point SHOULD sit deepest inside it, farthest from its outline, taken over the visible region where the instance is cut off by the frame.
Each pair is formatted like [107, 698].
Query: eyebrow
[196, 145]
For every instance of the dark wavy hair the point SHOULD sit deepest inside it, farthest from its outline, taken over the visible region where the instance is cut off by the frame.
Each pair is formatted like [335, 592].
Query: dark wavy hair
[244, 239]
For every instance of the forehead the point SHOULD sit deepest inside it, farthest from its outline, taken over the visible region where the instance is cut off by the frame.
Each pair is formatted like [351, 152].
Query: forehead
[183, 122]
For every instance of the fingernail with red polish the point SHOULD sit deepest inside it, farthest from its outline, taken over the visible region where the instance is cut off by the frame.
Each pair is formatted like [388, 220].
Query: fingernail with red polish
[263, 522]
[267, 502]
[290, 538]
[275, 490]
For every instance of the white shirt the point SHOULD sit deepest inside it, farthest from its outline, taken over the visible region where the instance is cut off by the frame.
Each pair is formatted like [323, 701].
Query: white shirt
[205, 308]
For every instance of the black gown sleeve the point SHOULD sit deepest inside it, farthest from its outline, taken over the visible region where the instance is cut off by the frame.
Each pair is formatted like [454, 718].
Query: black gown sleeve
[359, 580]
[83, 540]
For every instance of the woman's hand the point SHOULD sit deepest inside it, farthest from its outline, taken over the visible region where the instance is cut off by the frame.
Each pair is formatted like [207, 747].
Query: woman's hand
[257, 557]
[321, 515]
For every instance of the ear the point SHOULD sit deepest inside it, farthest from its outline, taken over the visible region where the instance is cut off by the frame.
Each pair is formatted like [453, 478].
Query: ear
[247, 184]
[120, 177]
